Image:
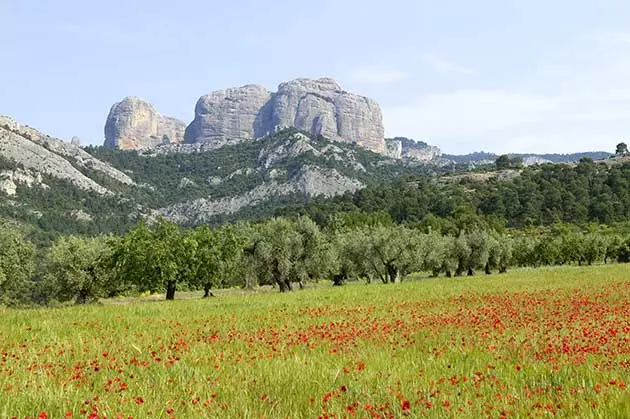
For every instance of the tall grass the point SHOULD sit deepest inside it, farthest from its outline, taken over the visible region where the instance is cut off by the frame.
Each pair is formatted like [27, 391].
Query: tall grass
[528, 343]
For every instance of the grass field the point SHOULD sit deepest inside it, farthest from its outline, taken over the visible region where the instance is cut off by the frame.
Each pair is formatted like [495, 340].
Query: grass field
[542, 343]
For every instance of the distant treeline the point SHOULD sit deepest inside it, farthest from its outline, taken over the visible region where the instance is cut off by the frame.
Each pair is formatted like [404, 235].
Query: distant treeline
[539, 196]
[281, 252]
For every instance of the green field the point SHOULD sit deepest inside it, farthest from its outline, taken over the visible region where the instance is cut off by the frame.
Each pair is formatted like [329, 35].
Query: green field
[541, 343]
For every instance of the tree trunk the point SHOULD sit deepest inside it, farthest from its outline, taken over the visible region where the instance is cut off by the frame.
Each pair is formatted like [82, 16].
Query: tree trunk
[338, 280]
[282, 285]
[449, 274]
[170, 290]
[82, 297]
[502, 269]
[207, 291]
[487, 269]
[471, 272]
[392, 273]
[288, 284]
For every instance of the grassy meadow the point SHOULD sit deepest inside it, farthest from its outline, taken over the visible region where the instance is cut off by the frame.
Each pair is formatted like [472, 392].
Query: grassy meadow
[542, 343]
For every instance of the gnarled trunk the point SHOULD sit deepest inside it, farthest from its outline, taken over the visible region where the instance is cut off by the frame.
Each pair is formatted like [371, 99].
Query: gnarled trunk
[171, 286]
[393, 274]
[207, 291]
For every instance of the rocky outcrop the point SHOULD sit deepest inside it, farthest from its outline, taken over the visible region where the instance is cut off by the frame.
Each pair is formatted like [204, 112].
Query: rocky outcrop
[10, 179]
[319, 107]
[310, 180]
[135, 124]
[322, 107]
[230, 115]
[40, 154]
[393, 148]
[419, 151]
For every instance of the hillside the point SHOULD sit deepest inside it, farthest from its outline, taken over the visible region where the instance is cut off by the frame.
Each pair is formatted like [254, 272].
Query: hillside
[58, 187]
[190, 185]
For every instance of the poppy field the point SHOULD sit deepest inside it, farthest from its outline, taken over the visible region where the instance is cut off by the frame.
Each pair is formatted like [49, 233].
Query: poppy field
[530, 343]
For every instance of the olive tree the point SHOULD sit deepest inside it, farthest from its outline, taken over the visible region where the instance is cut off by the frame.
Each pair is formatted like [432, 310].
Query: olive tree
[388, 253]
[217, 258]
[17, 264]
[77, 269]
[156, 258]
[276, 246]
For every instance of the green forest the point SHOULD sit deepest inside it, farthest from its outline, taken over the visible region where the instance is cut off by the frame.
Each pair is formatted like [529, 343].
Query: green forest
[438, 221]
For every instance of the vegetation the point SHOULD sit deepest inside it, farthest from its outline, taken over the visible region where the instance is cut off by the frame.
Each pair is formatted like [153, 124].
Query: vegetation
[547, 342]
[17, 264]
[163, 257]
[537, 196]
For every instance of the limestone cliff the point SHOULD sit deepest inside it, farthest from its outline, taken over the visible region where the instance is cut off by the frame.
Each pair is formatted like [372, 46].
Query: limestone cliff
[322, 107]
[319, 107]
[135, 124]
[233, 114]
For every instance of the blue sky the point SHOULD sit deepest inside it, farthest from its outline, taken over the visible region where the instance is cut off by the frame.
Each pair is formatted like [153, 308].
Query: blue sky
[500, 75]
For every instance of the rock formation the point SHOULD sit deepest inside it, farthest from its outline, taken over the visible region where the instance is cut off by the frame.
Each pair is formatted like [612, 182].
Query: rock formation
[135, 124]
[401, 147]
[39, 154]
[233, 114]
[320, 107]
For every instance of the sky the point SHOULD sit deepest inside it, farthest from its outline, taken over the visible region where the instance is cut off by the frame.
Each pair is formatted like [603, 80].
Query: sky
[518, 76]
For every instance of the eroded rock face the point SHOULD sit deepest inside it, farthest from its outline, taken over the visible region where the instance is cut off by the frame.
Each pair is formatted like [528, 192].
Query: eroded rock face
[320, 107]
[135, 124]
[40, 154]
[230, 115]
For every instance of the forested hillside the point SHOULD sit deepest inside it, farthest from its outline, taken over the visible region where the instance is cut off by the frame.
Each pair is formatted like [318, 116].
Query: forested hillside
[534, 196]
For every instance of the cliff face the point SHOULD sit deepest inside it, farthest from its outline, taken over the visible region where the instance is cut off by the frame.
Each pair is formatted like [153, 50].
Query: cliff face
[135, 124]
[401, 147]
[231, 114]
[322, 107]
[319, 107]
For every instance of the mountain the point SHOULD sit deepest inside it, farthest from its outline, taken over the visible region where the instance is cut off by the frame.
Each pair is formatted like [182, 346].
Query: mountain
[316, 106]
[190, 183]
[58, 187]
[133, 123]
[480, 158]
[35, 154]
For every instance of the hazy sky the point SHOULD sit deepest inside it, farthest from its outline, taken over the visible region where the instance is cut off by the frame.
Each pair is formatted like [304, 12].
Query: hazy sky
[492, 75]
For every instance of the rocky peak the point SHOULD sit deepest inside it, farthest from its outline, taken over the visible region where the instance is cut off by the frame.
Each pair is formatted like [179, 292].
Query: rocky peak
[134, 123]
[401, 147]
[317, 106]
[76, 141]
[231, 114]
[322, 107]
[323, 84]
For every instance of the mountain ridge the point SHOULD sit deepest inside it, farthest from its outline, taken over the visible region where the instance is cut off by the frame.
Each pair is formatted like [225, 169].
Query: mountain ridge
[316, 106]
